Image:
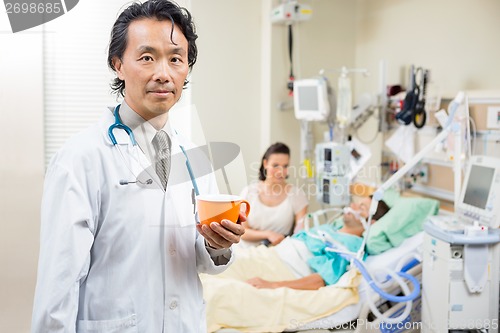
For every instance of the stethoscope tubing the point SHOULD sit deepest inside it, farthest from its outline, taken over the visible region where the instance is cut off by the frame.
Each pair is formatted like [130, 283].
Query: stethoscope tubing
[118, 124]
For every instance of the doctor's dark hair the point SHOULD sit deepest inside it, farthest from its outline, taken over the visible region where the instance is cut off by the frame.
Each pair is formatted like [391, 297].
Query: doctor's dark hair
[161, 10]
[277, 148]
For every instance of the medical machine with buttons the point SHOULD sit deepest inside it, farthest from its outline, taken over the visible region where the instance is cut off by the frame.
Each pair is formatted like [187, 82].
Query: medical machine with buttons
[336, 166]
[461, 263]
[332, 170]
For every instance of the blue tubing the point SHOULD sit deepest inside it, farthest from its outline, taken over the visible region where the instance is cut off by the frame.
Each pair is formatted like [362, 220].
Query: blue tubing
[414, 262]
[390, 297]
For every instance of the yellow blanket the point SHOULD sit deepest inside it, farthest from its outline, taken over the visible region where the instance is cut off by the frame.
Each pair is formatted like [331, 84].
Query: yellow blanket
[231, 302]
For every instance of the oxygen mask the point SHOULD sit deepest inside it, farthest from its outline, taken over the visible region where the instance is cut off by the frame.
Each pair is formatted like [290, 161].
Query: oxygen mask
[356, 214]
[352, 211]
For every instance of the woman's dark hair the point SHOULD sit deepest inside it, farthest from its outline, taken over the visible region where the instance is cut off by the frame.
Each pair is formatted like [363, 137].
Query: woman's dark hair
[382, 209]
[277, 148]
[160, 10]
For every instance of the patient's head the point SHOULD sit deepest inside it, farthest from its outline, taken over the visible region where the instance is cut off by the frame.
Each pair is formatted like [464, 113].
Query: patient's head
[361, 209]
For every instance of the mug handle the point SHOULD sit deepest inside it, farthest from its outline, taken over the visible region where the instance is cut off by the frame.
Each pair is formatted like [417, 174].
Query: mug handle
[247, 207]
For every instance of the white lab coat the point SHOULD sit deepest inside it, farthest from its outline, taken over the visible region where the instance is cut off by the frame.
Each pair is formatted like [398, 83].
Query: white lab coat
[118, 258]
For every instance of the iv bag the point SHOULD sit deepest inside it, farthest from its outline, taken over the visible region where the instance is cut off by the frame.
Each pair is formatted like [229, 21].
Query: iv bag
[344, 101]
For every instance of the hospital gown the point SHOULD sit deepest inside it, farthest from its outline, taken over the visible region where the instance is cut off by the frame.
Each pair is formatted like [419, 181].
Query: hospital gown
[330, 265]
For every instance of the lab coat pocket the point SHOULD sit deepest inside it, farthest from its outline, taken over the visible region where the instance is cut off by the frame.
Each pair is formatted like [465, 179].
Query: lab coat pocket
[122, 325]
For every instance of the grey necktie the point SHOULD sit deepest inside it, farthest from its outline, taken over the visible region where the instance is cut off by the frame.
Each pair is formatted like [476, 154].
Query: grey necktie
[162, 144]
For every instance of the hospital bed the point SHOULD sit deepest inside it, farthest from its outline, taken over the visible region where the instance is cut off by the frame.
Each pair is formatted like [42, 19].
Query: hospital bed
[358, 317]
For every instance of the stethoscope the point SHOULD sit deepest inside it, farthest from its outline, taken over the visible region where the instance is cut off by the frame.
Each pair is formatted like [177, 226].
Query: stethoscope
[118, 124]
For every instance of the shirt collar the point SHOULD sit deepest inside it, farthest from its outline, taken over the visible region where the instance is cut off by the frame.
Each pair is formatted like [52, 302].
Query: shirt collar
[144, 132]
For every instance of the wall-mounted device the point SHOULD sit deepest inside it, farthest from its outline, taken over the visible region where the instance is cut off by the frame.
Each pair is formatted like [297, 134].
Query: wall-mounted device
[290, 11]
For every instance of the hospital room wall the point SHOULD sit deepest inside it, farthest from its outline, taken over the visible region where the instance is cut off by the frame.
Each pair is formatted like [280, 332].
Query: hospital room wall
[226, 82]
[21, 173]
[455, 39]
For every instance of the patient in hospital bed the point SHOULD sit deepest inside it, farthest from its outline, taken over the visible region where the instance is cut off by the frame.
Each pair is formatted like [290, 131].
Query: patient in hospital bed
[306, 256]
[267, 289]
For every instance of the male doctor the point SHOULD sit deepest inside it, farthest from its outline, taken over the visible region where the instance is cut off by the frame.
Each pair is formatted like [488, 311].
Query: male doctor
[120, 249]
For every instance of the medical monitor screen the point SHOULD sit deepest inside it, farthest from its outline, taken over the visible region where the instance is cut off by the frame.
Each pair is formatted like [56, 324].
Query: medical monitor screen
[478, 186]
[328, 155]
[308, 98]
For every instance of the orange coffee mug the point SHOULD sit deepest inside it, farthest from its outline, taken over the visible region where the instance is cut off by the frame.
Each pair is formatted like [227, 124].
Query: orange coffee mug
[218, 207]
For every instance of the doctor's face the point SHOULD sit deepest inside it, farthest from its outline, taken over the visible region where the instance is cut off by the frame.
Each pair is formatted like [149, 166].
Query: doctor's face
[154, 66]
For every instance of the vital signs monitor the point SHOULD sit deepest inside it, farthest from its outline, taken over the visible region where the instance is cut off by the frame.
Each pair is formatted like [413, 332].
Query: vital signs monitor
[311, 100]
[480, 196]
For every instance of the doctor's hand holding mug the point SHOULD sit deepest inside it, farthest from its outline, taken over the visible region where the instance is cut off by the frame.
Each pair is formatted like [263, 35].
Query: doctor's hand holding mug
[219, 207]
[120, 249]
